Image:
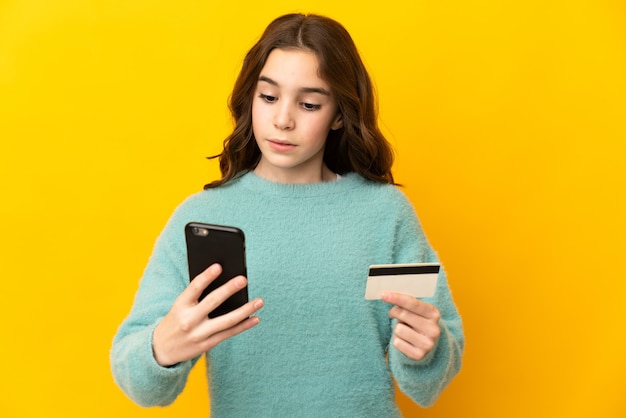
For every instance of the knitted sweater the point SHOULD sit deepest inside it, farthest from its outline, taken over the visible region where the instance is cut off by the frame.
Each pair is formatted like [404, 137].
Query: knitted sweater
[321, 349]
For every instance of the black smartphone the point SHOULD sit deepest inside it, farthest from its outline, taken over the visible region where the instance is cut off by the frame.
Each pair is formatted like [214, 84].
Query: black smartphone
[209, 244]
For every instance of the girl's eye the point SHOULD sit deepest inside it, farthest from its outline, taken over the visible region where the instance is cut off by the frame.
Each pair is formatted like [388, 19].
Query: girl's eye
[310, 106]
[268, 99]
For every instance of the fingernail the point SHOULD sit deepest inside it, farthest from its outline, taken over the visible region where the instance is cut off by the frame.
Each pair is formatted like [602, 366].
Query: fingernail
[258, 303]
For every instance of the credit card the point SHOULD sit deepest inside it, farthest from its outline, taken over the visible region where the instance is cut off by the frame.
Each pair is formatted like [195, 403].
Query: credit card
[418, 279]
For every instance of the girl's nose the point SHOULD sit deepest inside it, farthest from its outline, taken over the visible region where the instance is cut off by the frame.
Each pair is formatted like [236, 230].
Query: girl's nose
[283, 119]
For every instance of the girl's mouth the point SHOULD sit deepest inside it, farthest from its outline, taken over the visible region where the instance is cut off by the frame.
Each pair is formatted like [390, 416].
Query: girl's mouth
[281, 146]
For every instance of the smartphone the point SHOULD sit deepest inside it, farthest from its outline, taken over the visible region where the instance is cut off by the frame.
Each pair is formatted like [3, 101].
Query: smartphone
[209, 244]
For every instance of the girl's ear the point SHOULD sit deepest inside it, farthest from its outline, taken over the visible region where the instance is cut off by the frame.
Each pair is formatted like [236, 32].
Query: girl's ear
[337, 123]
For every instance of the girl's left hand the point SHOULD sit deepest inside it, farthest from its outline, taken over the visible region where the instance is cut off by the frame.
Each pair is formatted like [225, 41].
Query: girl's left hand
[417, 330]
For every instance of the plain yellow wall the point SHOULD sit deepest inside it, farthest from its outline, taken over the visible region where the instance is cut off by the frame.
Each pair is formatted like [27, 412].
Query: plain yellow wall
[509, 123]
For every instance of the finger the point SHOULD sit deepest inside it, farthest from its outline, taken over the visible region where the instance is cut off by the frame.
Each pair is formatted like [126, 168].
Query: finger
[404, 315]
[417, 338]
[240, 327]
[412, 304]
[422, 325]
[219, 295]
[409, 350]
[225, 326]
[232, 319]
[193, 292]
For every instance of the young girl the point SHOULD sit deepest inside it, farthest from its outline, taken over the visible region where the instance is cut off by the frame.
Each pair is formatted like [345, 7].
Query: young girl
[306, 175]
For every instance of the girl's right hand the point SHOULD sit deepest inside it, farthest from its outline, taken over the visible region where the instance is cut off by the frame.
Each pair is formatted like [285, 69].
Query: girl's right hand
[187, 331]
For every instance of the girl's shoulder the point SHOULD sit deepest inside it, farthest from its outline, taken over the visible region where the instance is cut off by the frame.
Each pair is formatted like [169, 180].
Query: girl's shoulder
[385, 191]
[202, 197]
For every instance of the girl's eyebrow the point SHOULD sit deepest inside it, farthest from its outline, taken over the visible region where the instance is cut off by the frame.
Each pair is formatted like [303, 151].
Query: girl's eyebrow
[319, 90]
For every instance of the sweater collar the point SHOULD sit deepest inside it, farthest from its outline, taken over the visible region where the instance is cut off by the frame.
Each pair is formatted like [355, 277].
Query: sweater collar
[253, 182]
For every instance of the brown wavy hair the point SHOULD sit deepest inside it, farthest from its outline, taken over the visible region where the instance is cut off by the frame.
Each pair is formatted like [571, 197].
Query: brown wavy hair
[358, 146]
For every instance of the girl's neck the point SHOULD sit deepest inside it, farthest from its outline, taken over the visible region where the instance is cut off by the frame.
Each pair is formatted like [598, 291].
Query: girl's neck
[324, 174]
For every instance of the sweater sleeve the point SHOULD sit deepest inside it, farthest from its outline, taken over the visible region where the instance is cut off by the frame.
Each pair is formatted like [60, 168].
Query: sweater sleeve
[132, 361]
[424, 380]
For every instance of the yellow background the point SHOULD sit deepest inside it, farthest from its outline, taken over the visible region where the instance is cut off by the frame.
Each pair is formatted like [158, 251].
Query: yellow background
[509, 123]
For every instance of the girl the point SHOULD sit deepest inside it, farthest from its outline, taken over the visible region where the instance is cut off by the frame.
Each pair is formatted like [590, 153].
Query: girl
[306, 174]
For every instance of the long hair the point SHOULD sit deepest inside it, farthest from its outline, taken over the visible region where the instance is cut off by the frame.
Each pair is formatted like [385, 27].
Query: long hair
[358, 146]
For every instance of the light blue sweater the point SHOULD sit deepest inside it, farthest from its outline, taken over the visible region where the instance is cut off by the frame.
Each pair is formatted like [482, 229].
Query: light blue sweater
[321, 349]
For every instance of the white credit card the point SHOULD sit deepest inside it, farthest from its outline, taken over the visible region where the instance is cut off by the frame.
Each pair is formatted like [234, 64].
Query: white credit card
[418, 280]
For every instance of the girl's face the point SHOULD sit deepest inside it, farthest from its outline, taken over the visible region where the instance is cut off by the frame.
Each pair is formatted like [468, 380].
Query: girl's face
[292, 113]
